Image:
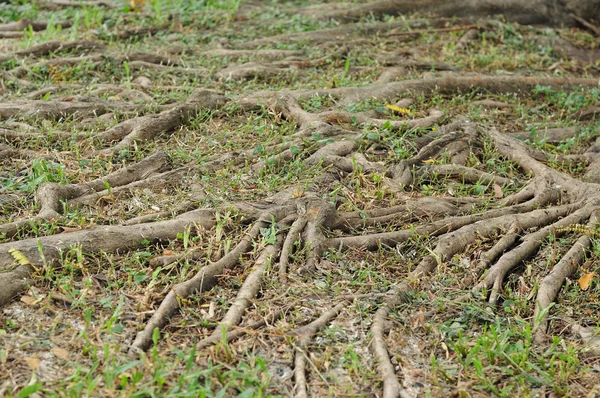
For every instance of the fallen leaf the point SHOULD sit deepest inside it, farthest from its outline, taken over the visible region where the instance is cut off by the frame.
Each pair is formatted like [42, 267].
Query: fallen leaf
[60, 353]
[498, 194]
[33, 363]
[136, 5]
[20, 257]
[30, 300]
[585, 280]
[398, 109]
[168, 252]
[70, 229]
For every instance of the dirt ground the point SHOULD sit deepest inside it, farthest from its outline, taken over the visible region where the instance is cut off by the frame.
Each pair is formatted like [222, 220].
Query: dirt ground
[296, 198]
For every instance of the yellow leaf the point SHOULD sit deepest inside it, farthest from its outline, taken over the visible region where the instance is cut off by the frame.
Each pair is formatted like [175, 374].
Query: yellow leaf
[429, 161]
[398, 109]
[19, 257]
[136, 5]
[585, 280]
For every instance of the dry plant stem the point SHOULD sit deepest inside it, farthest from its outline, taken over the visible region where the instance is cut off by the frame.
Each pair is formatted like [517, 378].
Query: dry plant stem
[529, 245]
[236, 332]
[108, 239]
[305, 334]
[202, 281]
[552, 282]
[250, 288]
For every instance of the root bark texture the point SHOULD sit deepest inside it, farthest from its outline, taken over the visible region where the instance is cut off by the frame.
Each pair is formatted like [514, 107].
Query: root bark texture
[373, 186]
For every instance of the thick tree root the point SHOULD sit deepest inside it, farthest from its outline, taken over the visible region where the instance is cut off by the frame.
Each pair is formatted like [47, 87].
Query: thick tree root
[49, 249]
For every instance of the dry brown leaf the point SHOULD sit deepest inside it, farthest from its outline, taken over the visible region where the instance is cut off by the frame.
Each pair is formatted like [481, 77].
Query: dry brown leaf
[498, 194]
[168, 252]
[585, 280]
[70, 229]
[30, 300]
[136, 5]
[60, 353]
[33, 363]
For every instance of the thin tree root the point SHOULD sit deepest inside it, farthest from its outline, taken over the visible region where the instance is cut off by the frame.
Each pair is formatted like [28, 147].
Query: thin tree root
[202, 281]
[391, 386]
[305, 334]
[529, 245]
[291, 238]
[552, 283]
[250, 288]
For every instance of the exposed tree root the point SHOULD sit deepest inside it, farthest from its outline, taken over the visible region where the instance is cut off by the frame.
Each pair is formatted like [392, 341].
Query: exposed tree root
[535, 12]
[307, 224]
[262, 54]
[290, 239]
[92, 107]
[529, 245]
[552, 283]
[305, 334]
[443, 86]
[236, 332]
[108, 239]
[147, 127]
[249, 289]
[55, 46]
[35, 26]
[391, 386]
[51, 196]
[53, 4]
[203, 280]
